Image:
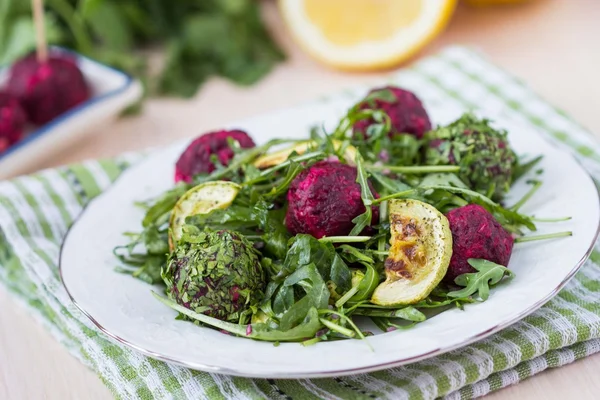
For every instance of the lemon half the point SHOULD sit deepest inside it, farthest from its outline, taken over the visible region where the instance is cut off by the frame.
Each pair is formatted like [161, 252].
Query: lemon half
[365, 35]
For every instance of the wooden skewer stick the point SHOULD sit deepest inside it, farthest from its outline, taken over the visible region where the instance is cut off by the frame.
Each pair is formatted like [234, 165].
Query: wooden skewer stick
[40, 32]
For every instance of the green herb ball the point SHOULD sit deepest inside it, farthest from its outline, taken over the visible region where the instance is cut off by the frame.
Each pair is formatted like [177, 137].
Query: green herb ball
[216, 273]
[483, 153]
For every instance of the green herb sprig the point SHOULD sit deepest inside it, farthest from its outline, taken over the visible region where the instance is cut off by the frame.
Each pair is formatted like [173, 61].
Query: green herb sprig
[488, 274]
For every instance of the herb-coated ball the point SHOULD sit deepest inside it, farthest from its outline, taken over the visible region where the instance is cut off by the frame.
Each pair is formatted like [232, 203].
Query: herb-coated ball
[324, 199]
[215, 273]
[198, 157]
[483, 153]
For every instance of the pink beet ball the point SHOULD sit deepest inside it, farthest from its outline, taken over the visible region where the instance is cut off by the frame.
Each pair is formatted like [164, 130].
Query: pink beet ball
[476, 234]
[406, 112]
[47, 90]
[12, 121]
[324, 199]
[197, 157]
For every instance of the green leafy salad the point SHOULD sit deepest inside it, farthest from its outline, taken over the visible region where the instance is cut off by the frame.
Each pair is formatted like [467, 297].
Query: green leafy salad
[383, 218]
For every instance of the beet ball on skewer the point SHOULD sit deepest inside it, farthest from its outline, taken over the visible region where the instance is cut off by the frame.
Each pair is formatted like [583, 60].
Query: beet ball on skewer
[324, 199]
[197, 158]
[47, 89]
[476, 234]
[12, 121]
[405, 110]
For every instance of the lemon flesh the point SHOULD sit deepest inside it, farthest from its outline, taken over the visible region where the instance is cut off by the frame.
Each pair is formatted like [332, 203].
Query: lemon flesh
[365, 35]
[421, 248]
[200, 199]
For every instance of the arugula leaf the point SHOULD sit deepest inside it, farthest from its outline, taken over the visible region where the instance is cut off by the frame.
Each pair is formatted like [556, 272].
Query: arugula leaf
[366, 285]
[443, 179]
[276, 235]
[234, 217]
[317, 295]
[408, 313]
[361, 178]
[340, 274]
[156, 241]
[354, 255]
[293, 170]
[429, 302]
[306, 159]
[536, 185]
[164, 205]
[149, 271]
[377, 130]
[488, 274]
[511, 220]
[237, 164]
[383, 94]
[522, 169]
[283, 300]
[388, 184]
[306, 249]
[354, 115]
[154, 238]
[363, 220]
[308, 328]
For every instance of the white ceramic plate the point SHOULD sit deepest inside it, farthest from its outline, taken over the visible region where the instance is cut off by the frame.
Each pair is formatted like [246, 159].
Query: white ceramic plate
[124, 308]
[112, 91]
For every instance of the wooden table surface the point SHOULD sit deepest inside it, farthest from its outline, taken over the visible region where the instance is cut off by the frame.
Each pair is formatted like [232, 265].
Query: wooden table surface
[553, 45]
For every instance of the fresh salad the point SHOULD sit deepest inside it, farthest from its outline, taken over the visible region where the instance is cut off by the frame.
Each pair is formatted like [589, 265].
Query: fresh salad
[385, 217]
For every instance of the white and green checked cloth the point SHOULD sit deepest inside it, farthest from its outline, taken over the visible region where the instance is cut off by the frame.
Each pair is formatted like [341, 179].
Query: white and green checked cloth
[36, 211]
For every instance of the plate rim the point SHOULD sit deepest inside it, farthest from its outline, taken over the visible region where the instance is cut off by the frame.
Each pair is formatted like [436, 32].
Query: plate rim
[376, 367]
[207, 367]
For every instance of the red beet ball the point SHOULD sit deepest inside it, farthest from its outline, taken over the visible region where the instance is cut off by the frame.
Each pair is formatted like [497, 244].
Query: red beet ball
[47, 90]
[12, 121]
[196, 159]
[406, 113]
[476, 234]
[324, 199]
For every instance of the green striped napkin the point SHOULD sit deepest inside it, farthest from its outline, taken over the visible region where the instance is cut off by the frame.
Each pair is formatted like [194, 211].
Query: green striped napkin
[36, 211]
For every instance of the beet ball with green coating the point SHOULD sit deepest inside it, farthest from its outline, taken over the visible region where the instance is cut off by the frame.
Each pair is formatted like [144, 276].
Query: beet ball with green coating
[215, 273]
[483, 153]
